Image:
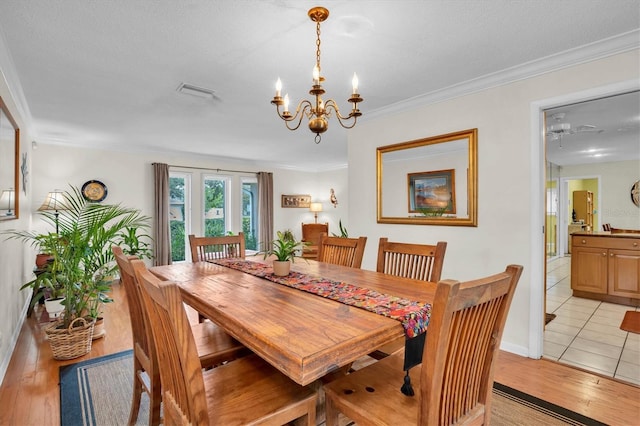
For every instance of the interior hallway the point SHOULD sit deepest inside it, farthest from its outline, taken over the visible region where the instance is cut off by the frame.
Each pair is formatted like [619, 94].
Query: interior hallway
[586, 333]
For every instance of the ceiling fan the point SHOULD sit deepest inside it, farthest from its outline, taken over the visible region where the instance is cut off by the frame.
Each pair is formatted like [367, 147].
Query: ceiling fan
[558, 129]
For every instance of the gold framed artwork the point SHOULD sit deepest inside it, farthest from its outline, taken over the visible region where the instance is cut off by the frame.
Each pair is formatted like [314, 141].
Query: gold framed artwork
[296, 201]
[404, 169]
[432, 192]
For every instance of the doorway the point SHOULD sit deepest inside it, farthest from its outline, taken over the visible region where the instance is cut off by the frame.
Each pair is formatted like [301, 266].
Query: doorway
[561, 182]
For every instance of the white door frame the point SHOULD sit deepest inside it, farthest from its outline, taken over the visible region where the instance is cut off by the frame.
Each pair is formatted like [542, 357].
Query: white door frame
[538, 194]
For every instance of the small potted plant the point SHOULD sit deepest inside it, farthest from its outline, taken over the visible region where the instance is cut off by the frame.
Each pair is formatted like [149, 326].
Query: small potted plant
[285, 248]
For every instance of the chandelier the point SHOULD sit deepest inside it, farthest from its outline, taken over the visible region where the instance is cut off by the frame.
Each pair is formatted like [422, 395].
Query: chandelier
[317, 111]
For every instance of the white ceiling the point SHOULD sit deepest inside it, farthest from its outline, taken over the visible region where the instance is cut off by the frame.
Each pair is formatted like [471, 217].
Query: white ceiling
[105, 73]
[600, 130]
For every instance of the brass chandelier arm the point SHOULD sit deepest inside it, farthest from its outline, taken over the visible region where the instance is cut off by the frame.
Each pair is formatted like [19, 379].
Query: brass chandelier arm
[354, 113]
[301, 111]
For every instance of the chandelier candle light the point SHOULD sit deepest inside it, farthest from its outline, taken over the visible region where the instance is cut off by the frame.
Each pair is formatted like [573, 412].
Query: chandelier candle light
[319, 111]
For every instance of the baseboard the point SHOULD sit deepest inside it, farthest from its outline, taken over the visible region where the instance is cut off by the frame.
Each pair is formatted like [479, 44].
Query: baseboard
[14, 340]
[515, 349]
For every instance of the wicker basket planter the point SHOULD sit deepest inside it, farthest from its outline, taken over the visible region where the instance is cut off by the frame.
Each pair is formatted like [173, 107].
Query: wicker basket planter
[72, 342]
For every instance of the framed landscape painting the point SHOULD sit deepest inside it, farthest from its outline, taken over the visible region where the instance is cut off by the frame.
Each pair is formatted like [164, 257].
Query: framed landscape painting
[432, 192]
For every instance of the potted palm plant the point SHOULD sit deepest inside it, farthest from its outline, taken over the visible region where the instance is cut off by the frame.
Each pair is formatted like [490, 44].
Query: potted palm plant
[83, 263]
[285, 248]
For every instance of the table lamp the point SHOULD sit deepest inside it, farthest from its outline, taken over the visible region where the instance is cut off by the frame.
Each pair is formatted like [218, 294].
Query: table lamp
[8, 201]
[54, 201]
[315, 208]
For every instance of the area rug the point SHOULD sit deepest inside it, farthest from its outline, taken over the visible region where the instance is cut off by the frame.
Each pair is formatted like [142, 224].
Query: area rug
[631, 322]
[98, 392]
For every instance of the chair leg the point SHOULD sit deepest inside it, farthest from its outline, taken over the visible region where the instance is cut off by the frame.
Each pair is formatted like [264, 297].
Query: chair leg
[137, 396]
[311, 416]
[155, 400]
[331, 413]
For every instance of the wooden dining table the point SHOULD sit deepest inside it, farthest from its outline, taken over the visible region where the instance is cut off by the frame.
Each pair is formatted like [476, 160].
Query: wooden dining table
[303, 335]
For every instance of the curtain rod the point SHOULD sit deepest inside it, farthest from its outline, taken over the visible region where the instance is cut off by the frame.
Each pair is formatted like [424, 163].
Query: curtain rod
[209, 168]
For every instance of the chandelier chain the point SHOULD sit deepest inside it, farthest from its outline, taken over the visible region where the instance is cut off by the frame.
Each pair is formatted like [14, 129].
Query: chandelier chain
[318, 45]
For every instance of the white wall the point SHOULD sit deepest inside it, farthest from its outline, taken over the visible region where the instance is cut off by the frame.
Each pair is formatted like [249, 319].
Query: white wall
[318, 185]
[616, 179]
[505, 178]
[16, 260]
[129, 179]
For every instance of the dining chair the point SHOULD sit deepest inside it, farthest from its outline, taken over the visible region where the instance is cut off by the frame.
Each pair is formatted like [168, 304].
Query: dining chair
[416, 261]
[214, 346]
[209, 248]
[453, 385]
[311, 233]
[606, 227]
[341, 251]
[245, 391]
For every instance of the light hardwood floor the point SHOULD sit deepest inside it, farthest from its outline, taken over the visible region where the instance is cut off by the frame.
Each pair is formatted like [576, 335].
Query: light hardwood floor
[30, 394]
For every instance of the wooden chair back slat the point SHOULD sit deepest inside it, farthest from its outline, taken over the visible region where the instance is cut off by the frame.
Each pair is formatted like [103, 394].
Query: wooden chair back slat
[342, 251]
[180, 369]
[417, 261]
[211, 248]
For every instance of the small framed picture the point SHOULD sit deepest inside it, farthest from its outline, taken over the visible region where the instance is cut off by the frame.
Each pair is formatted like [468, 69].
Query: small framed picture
[296, 201]
[432, 192]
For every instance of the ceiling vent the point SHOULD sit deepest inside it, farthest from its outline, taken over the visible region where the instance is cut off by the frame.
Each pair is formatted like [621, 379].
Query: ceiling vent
[201, 92]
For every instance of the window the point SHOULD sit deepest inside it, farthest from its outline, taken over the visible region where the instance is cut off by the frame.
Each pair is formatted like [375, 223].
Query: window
[250, 212]
[227, 204]
[179, 214]
[215, 206]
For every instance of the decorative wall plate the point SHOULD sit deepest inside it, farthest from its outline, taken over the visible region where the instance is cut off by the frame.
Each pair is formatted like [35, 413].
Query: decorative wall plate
[94, 191]
[635, 193]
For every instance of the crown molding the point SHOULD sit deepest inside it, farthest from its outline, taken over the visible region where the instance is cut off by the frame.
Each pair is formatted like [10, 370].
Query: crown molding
[590, 52]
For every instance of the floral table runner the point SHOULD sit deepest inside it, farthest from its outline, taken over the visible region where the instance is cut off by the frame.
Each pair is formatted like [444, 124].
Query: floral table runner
[414, 316]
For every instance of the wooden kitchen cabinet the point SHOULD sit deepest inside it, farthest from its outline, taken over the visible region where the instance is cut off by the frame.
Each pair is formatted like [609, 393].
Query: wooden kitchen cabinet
[624, 273]
[606, 267]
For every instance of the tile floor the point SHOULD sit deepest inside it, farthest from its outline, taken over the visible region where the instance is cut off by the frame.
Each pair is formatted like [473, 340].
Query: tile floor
[586, 333]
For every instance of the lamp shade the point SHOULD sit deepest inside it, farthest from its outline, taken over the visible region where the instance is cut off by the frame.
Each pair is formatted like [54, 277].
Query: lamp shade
[54, 201]
[315, 207]
[8, 201]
